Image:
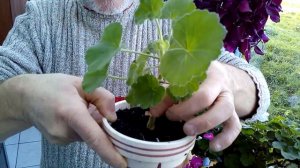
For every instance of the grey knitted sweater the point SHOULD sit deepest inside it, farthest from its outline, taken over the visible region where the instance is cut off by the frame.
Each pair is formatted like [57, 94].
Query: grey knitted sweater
[52, 37]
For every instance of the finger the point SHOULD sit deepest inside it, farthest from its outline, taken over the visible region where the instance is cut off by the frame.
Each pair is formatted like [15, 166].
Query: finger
[105, 103]
[94, 136]
[221, 111]
[208, 91]
[66, 139]
[231, 130]
[100, 97]
[161, 107]
[95, 113]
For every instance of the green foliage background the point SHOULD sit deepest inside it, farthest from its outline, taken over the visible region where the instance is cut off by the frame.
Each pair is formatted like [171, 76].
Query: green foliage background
[281, 62]
[276, 142]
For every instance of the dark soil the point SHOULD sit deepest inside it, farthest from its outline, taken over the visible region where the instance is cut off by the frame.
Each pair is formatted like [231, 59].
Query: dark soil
[133, 123]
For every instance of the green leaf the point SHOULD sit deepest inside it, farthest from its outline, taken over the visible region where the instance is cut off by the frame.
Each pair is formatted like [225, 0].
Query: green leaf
[231, 160]
[177, 8]
[292, 165]
[247, 159]
[297, 145]
[270, 135]
[288, 152]
[148, 9]
[133, 73]
[146, 92]
[137, 69]
[248, 131]
[197, 40]
[261, 126]
[99, 57]
[290, 155]
[203, 144]
[178, 67]
[179, 93]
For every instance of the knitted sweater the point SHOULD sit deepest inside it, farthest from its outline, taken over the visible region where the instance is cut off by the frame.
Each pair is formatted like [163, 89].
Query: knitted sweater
[53, 36]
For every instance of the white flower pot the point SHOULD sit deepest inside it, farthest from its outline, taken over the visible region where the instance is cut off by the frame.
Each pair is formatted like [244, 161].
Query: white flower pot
[146, 154]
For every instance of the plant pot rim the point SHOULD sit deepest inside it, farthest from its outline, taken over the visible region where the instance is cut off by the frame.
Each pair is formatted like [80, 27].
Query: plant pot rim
[141, 142]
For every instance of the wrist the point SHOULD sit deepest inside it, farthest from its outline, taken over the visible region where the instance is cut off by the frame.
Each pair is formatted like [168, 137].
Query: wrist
[11, 119]
[13, 91]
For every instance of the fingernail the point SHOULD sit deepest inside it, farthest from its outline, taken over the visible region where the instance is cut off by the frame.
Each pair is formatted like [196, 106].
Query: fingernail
[123, 163]
[189, 129]
[111, 117]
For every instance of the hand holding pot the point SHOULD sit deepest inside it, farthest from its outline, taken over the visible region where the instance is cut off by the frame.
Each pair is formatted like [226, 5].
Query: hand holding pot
[227, 94]
[58, 107]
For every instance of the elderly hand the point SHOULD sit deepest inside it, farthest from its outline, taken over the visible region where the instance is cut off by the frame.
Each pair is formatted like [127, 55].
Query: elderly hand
[227, 94]
[58, 107]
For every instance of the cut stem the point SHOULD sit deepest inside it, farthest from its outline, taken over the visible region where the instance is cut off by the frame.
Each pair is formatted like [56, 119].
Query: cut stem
[141, 53]
[151, 123]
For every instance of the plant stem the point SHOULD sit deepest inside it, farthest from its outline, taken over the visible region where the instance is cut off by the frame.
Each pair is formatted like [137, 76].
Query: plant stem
[151, 123]
[116, 77]
[141, 53]
[159, 29]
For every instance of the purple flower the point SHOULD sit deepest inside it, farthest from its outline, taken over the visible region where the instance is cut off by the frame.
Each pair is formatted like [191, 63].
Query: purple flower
[195, 162]
[244, 20]
[209, 136]
[244, 6]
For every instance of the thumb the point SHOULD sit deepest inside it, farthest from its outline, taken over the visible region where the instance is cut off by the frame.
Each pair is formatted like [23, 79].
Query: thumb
[104, 101]
[95, 137]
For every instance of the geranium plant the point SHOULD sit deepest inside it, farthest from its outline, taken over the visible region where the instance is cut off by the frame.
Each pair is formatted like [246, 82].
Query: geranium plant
[184, 54]
[245, 21]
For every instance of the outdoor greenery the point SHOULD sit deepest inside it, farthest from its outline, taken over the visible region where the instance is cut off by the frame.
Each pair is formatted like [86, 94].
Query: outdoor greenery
[281, 64]
[276, 142]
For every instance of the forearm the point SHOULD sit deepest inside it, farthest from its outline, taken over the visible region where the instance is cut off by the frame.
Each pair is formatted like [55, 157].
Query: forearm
[11, 121]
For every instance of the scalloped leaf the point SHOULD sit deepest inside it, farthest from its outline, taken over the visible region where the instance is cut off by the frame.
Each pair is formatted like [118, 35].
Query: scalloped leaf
[148, 9]
[196, 41]
[177, 8]
[99, 57]
[146, 92]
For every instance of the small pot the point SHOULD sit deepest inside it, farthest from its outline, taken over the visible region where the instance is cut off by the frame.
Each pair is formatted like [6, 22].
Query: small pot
[146, 154]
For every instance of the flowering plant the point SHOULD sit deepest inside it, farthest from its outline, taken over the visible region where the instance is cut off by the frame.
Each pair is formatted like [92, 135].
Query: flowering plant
[203, 160]
[274, 143]
[245, 21]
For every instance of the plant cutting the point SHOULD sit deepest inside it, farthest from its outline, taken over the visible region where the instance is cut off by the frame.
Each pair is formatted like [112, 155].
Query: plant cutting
[183, 56]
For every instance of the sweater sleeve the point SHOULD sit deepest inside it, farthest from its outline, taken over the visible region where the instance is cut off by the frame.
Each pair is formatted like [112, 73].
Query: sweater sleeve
[259, 80]
[21, 48]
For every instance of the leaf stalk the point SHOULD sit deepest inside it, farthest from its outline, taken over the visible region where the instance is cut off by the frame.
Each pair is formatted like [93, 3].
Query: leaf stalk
[141, 53]
[159, 29]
